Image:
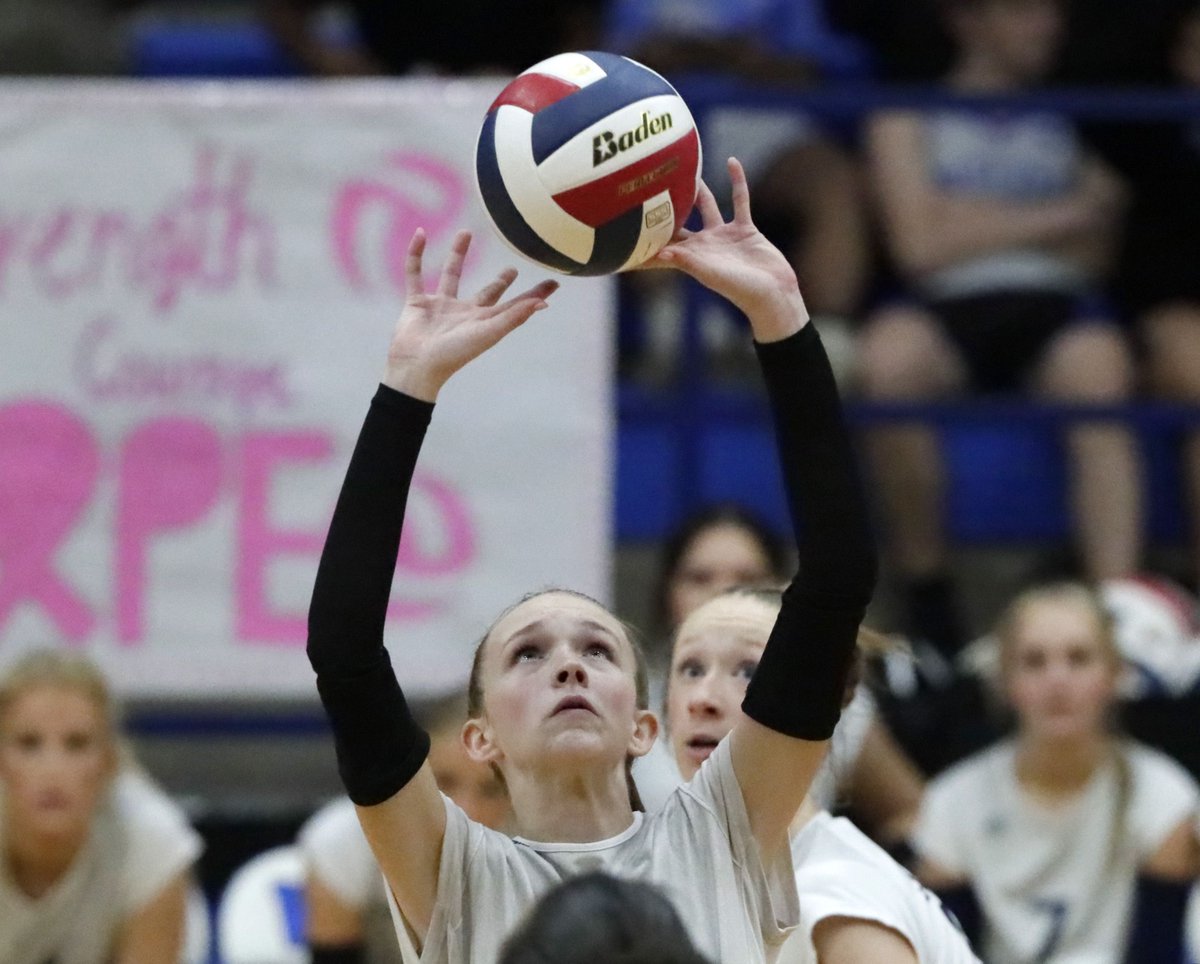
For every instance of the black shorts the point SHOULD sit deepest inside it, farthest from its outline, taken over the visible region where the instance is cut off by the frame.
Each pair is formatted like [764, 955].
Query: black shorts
[1001, 336]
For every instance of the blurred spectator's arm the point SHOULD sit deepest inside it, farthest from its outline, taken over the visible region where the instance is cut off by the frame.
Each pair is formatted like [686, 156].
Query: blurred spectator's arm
[293, 24]
[928, 228]
[886, 787]
[334, 927]
[155, 932]
[1177, 857]
[1095, 250]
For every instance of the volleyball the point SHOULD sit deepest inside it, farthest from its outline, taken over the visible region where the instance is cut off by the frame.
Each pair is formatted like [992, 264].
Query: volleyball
[587, 163]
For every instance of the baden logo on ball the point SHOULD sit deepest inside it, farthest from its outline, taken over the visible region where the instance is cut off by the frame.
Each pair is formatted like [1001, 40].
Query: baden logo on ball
[588, 163]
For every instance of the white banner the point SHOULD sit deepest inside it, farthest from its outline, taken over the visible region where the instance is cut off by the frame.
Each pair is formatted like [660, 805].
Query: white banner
[197, 286]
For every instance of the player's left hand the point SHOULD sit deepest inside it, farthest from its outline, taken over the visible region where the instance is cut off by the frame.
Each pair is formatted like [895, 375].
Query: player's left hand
[439, 332]
[734, 259]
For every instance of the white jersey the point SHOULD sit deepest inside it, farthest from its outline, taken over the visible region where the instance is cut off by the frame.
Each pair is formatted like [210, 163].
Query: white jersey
[698, 848]
[140, 841]
[1056, 885]
[840, 872]
[335, 851]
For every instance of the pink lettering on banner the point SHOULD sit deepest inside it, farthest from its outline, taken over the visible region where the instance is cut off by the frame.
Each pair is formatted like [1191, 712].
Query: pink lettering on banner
[49, 461]
[171, 473]
[111, 372]
[438, 541]
[206, 237]
[259, 542]
[362, 203]
[170, 477]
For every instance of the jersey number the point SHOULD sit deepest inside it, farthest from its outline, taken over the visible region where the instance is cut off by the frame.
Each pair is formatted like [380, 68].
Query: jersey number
[1057, 911]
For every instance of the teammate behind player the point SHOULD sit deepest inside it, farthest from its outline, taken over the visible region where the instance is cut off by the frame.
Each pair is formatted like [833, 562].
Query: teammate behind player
[348, 920]
[1059, 831]
[856, 903]
[556, 684]
[95, 861]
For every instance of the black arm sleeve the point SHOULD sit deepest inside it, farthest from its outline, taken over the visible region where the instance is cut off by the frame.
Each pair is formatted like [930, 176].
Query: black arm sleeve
[801, 677]
[379, 745]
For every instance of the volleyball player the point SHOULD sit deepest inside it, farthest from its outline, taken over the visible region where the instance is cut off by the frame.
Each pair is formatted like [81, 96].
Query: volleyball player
[856, 903]
[725, 545]
[557, 692]
[95, 861]
[1076, 845]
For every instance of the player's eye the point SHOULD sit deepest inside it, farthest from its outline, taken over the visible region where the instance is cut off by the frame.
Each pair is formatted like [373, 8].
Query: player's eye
[690, 669]
[602, 650]
[526, 654]
[746, 669]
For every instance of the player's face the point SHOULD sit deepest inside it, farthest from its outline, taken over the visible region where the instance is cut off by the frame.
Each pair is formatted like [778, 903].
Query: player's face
[559, 677]
[719, 558]
[1061, 675]
[56, 758]
[716, 652]
[1021, 37]
[473, 786]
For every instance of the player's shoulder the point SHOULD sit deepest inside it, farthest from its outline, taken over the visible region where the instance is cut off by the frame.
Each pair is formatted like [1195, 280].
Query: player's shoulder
[1153, 768]
[144, 809]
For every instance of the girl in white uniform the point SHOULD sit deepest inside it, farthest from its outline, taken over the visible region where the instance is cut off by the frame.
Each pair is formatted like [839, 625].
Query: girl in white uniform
[856, 903]
[94, 860]
[1053, 828]
[723, 546]
[558, 695]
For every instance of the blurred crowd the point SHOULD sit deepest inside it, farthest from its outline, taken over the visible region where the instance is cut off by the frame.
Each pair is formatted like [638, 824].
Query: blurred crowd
[947, 252]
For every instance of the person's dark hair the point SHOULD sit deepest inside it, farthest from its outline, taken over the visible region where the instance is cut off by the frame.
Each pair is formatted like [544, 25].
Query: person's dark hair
[680, 540]
[602, 920]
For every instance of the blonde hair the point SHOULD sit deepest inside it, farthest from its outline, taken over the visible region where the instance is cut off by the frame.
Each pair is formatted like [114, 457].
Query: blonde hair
[62, 669]
[1063, 591]
[55, 667]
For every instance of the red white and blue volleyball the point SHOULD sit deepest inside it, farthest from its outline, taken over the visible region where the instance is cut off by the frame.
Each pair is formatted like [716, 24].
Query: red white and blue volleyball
[588, 163]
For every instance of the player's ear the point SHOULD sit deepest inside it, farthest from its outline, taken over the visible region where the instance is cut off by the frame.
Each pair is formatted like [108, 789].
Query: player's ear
[645, 731]
[481, 747]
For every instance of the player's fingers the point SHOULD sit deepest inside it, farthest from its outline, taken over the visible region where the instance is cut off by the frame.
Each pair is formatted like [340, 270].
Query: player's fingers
[413, 282]
[740, 191]
[538, 293]
[452, 272]
[710, 211]
[490, 293]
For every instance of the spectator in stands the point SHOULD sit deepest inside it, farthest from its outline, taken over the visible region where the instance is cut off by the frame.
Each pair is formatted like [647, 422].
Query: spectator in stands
[724, 546]
[464, 37]
[348, 918]
[95, 861]
[1074, 844]
[602, 920]
[1159, 277]
[807, 181]
[1001, 226]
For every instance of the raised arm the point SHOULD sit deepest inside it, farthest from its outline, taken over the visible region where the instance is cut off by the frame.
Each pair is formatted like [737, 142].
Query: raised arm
[794, 700]
[381, 751]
